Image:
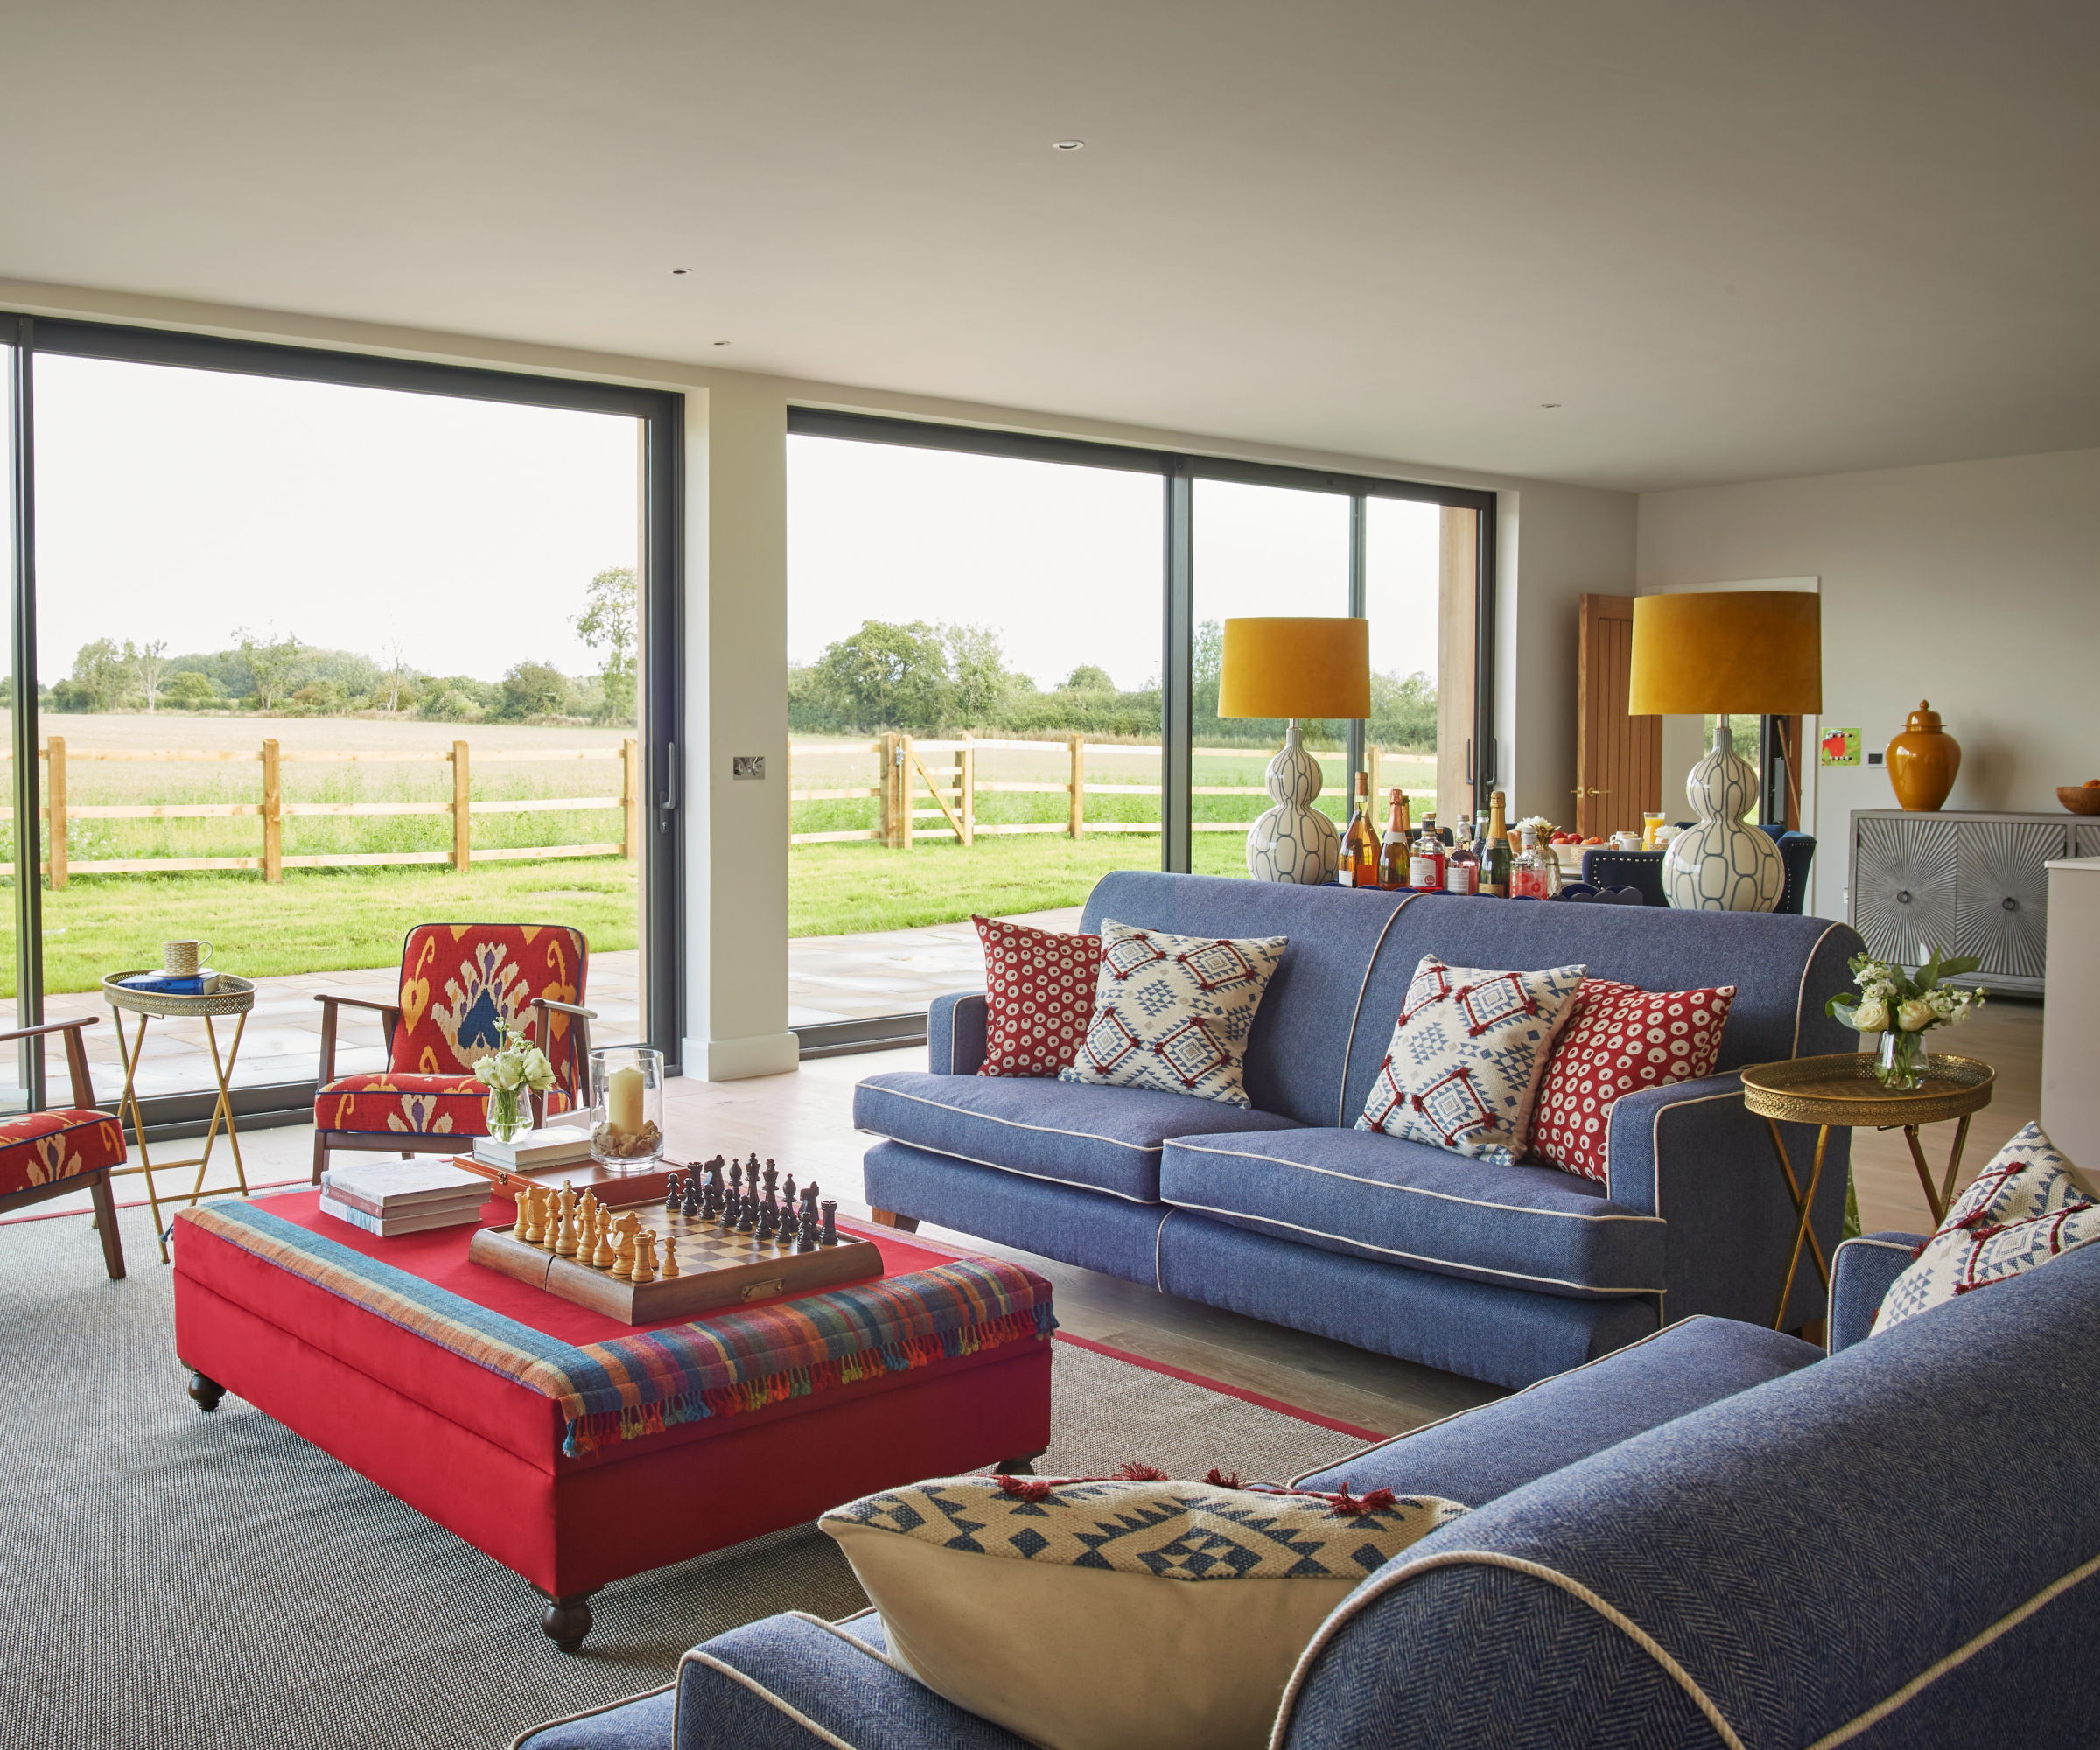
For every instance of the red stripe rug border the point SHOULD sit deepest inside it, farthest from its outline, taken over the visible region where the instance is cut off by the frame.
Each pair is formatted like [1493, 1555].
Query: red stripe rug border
[1222, 1388]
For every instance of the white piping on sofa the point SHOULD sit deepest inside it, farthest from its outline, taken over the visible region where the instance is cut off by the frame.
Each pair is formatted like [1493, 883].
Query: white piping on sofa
[1349, 1051]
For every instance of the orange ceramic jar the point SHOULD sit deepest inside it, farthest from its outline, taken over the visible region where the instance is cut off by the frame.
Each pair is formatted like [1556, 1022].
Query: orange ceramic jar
[1922, 761]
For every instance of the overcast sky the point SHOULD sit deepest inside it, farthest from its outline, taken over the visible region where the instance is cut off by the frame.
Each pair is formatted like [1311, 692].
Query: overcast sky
[182, 505]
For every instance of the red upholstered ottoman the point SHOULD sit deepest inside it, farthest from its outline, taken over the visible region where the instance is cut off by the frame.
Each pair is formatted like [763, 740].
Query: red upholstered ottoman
[577, 1449]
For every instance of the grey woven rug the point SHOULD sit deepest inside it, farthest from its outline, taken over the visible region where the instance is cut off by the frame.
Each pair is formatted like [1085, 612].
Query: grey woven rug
[168, 1577]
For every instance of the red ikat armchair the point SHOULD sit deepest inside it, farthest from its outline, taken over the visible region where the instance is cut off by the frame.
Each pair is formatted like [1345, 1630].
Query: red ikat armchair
[461, 984]
[50, 1153]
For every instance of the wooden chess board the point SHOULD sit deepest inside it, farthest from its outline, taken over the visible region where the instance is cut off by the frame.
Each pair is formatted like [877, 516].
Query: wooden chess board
[718, 1268]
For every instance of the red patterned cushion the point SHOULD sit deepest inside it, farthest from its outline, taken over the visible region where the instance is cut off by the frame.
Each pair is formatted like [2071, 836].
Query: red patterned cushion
[1038, 996]
[1620, 1041]
[39, 1148]
[462, 984]
[415, 1105]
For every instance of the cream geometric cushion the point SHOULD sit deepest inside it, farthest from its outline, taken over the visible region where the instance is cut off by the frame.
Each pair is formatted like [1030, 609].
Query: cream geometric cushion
[1112, 1614]
[1173, 1013]
[1467, 1055]
[2024, 1209]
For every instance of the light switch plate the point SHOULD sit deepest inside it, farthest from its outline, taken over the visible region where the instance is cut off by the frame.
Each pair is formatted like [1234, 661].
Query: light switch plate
[747, 764]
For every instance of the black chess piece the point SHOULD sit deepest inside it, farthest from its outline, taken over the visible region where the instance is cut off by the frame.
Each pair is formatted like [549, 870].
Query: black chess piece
[769, 1213]
[671, 1191]
[830, 1237]
[732, 1211]
[806, 1239]
[689, 1207]
[747, 1206]
[787, 1203]
[710, 1201]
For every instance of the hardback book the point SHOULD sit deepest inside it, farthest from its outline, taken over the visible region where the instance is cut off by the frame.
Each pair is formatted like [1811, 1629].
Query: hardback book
[553, 1146]
[395, 1187]
[388, 1227]
[200, 983]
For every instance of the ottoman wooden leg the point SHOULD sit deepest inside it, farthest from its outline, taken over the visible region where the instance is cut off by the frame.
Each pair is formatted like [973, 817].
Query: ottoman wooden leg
[205, 1390]
[566, 1621]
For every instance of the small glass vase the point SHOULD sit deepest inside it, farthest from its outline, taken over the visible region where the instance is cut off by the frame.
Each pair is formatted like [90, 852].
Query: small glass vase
[1901, 1064]
[627, 1097]
[509, 1114]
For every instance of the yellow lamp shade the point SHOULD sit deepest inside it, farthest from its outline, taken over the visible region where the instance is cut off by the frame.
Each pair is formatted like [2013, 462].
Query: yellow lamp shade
[1751, 652]
[1297, 667]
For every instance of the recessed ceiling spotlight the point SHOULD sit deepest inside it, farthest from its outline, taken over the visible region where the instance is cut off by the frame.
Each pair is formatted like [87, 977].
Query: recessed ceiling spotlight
[1067, 146]
[1549, 403]
[721, 343]
[681, 270]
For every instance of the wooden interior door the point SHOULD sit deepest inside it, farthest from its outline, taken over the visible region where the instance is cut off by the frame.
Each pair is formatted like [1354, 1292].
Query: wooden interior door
[1618, 757]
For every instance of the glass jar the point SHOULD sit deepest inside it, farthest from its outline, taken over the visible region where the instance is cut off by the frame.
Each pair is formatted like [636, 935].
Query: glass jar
[627, 1097]
[1903, 1058]
[1528, 878]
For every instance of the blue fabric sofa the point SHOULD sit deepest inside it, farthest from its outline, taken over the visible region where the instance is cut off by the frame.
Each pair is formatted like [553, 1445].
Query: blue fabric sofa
[1289, 1213]
[1715, 1536]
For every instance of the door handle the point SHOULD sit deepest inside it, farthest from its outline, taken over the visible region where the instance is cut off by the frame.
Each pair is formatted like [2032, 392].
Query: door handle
[668, 803]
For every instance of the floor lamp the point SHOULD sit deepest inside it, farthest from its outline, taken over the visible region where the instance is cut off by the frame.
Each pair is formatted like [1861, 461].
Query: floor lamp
[1294, 668]
[1748, 651]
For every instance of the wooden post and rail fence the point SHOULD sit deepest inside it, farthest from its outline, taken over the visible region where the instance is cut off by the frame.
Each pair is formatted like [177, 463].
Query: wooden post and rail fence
[273, 810]
[903, 775]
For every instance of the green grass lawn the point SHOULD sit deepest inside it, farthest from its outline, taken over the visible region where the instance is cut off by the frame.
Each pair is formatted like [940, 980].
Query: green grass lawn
[317, 919]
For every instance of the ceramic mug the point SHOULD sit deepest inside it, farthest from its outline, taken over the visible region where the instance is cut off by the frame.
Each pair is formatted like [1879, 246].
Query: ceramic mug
[1625, 841]
[181, 959]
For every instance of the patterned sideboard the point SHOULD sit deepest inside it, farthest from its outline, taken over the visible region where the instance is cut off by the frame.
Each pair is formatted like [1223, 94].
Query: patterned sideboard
[1964, 883]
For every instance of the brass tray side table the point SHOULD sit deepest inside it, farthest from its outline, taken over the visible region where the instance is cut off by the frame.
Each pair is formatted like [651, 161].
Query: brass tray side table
[234, 996]
[1842, 1092]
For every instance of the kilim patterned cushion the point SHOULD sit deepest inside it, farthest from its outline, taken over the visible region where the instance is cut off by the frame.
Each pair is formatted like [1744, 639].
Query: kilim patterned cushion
[1039, 996]
[1173, 1013]
[2024, 1209]
[1467, 1055]
[1040, 1604]
[39, 1148]
[1619, 1039]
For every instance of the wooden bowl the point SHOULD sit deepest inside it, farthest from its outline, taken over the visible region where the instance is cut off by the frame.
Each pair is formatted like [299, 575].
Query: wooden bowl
[2079, 799]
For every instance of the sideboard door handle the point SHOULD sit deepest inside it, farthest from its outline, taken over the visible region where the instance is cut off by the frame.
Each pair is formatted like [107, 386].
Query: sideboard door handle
[2009, 903]
[1903, 898]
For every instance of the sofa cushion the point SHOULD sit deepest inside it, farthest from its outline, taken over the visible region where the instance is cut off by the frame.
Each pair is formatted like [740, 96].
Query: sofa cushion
[1480, 1454]
[1038, 996]
[1376, 1196]
[1100, 1138]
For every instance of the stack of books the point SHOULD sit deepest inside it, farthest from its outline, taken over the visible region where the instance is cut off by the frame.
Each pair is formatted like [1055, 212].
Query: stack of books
[553, 1146]
[394, 1197]
[200, 983]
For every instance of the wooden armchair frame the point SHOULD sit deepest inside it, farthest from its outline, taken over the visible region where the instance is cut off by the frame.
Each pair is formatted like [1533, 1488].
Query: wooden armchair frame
[407, 1144]
[96, 1184]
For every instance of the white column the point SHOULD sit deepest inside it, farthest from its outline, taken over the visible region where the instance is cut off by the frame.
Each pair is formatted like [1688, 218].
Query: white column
[736, 639]
[2070, 1043]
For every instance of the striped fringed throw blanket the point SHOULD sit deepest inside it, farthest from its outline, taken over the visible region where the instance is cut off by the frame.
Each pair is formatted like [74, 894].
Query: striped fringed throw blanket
[728, 1361]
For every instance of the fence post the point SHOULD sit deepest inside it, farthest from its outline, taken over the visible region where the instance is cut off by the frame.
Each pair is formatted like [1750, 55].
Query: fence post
[1077, 824]
[966, 781]
[55, 792]
[904, 799]
[273, 824]
[885, 789]
[630, 798]
[1370, 766]
[463, 821]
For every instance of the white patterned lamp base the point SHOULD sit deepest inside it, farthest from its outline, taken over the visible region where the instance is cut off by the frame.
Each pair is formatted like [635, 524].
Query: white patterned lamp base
[1294, 841]
[1720, 865]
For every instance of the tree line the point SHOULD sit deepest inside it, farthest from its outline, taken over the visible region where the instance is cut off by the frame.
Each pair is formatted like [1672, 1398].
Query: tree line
[265, 670]
[924, 678]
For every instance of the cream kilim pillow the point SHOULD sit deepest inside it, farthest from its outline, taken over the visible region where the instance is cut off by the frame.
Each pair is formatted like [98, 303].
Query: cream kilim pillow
[1174, 1012]
[1094, 1615]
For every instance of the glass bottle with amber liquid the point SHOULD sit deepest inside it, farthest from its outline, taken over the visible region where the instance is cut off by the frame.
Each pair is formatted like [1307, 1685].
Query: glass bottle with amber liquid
[1394, 852]
[1495, 860]
[1359, 843]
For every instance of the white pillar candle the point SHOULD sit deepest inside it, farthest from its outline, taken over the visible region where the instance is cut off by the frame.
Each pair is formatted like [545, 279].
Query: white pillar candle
[623, 1101]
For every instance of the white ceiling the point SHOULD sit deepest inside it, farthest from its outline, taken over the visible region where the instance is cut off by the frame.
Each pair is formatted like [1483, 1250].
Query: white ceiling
[1731, 240]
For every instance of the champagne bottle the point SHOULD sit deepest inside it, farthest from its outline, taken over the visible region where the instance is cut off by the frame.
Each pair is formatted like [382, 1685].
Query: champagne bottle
[1394, 853]
[1359, 843]
[1494, 865]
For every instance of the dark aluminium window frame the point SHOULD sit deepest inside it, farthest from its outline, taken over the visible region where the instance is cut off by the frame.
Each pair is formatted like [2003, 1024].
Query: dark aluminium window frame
[1178, 474]
[662, 417]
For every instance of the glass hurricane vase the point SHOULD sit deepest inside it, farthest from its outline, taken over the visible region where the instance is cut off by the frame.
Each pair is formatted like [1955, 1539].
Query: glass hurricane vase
[509, 1114]
[626, 1098]
[1902, 1061]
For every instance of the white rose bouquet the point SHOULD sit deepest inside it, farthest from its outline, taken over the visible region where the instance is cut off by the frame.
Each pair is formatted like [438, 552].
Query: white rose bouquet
[1903, 1007]
[508, 1073]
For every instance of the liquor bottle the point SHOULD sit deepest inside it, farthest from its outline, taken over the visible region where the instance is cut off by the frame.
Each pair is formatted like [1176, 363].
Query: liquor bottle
[1425, 861]
[1393, 855]
[1462, 870]
[1528, 874]
[1359, 843]
[1494, 864]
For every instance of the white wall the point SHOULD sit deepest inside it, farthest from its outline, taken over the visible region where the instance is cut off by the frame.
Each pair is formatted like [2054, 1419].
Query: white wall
[1555, 543]
[1975, 585]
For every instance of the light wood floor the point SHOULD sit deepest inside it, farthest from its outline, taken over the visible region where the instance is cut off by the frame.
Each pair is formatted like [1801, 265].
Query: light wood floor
[804, 1120]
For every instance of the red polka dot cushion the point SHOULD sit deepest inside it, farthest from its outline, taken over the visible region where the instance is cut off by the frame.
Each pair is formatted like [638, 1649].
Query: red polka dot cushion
[1620, 1041]
[1038, 996]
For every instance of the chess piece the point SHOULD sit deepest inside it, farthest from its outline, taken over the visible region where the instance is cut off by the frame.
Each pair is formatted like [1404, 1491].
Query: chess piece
[671, 1257]
[644, 1257]
[829, 1237]
[690, 1207]
[787, 1202]
[806, 1237]
[671, 1191]
[523, 1229]
[604, 1257]
[623, 1261]
[747, 1205]
[733, 1209]
[769, 1211]
[564, 1236]
[710, 1202]
[529, 1201]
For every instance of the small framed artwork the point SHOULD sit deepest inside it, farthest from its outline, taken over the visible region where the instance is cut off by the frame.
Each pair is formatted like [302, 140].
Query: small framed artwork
[1838, 747]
